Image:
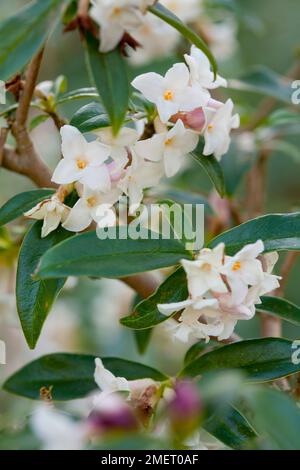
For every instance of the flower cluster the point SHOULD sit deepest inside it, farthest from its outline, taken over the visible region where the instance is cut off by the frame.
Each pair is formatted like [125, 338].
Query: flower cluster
[109, 166]
[222, 290]
[183, 94]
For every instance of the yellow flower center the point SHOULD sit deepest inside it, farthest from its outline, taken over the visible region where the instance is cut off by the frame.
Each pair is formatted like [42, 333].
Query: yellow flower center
[168, 95]
[91, 201]
[81, 164]
[237, 266]
[206, 267]
[168, 141]
[116, 11]
[210, 127]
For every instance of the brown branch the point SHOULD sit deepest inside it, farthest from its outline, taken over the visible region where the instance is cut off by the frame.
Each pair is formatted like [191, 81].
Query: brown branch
[287, 266]
[24, 159]
[27, 93]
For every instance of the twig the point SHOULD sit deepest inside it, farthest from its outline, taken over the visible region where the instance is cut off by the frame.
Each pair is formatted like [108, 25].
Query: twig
[144, 284]
[287, 266]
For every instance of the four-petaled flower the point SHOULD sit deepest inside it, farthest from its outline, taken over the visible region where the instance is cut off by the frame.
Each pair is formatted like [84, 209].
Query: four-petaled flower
[83, 161]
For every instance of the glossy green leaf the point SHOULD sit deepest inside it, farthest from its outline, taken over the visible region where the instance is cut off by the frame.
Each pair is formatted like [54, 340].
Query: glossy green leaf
[212, 167]
[113, 257]
[279, 232]
[281, 308]
[142, 339]
[108, 73]
[235, 165]
[79, 94]
[90, 117]
[198, 349]
[71, 376]
[230, 427]
[146, 313]
[277, 416]
[21, 203]
[164, 14]
[23, 34]
[35, 297]
[262, 360]
[264, 81]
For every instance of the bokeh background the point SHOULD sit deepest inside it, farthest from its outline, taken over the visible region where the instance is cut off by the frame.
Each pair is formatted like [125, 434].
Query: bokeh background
[86, 316]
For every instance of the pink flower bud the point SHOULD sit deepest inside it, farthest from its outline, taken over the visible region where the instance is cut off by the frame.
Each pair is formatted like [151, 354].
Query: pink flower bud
[194, 119]
[114, 171]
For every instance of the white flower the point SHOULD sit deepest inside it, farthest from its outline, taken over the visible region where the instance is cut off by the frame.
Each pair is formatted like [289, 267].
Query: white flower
[244, 269]
[200, 70]
[56, 430]
[2, 92]
[186, 10]
[107, 382]
[190, 324]
[156, 38]
[119, 144]
[115, 18]
[217, 131]
[88, 208]
[83, 161]
[138, 176]
[170, 147]
[52, 211]
[204, 273]
[171, 93]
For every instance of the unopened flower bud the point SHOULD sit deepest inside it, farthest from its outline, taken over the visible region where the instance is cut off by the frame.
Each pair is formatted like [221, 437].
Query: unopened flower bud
[185, 409]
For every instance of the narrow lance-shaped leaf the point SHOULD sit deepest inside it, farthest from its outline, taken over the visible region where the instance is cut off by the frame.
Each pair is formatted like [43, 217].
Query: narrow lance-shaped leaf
[169, 17]
[90, 117]
[281, 308]
[146, 313]
[21, 203]
[108, 73]
[278, 232]
[212, 167]
[265, 82]
[35, 297]
[116, 255]
[230, 427]
[262, 360]
[277, 416]
[71, 376]
[23, 34]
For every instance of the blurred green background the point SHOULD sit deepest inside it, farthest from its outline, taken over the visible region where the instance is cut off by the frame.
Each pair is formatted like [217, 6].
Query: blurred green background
[86, 316]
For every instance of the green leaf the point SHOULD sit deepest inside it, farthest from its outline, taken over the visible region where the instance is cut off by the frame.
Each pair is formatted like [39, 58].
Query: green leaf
[265, 82]
[146, 313]
[279, 232]
[113, 257]
[23, 34]
[108, 73]
[164, 14]
[262, 360]
[281, 308]
[198, 349]
[184, 197]
[35, 298]
[142, 339]
[71, 376]
[37, 120]
[79, 94]
[283, 117]
[230, 427]
[90, 117]
[235, 166]
[278, 416]
[21, 203]
[212, 167]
